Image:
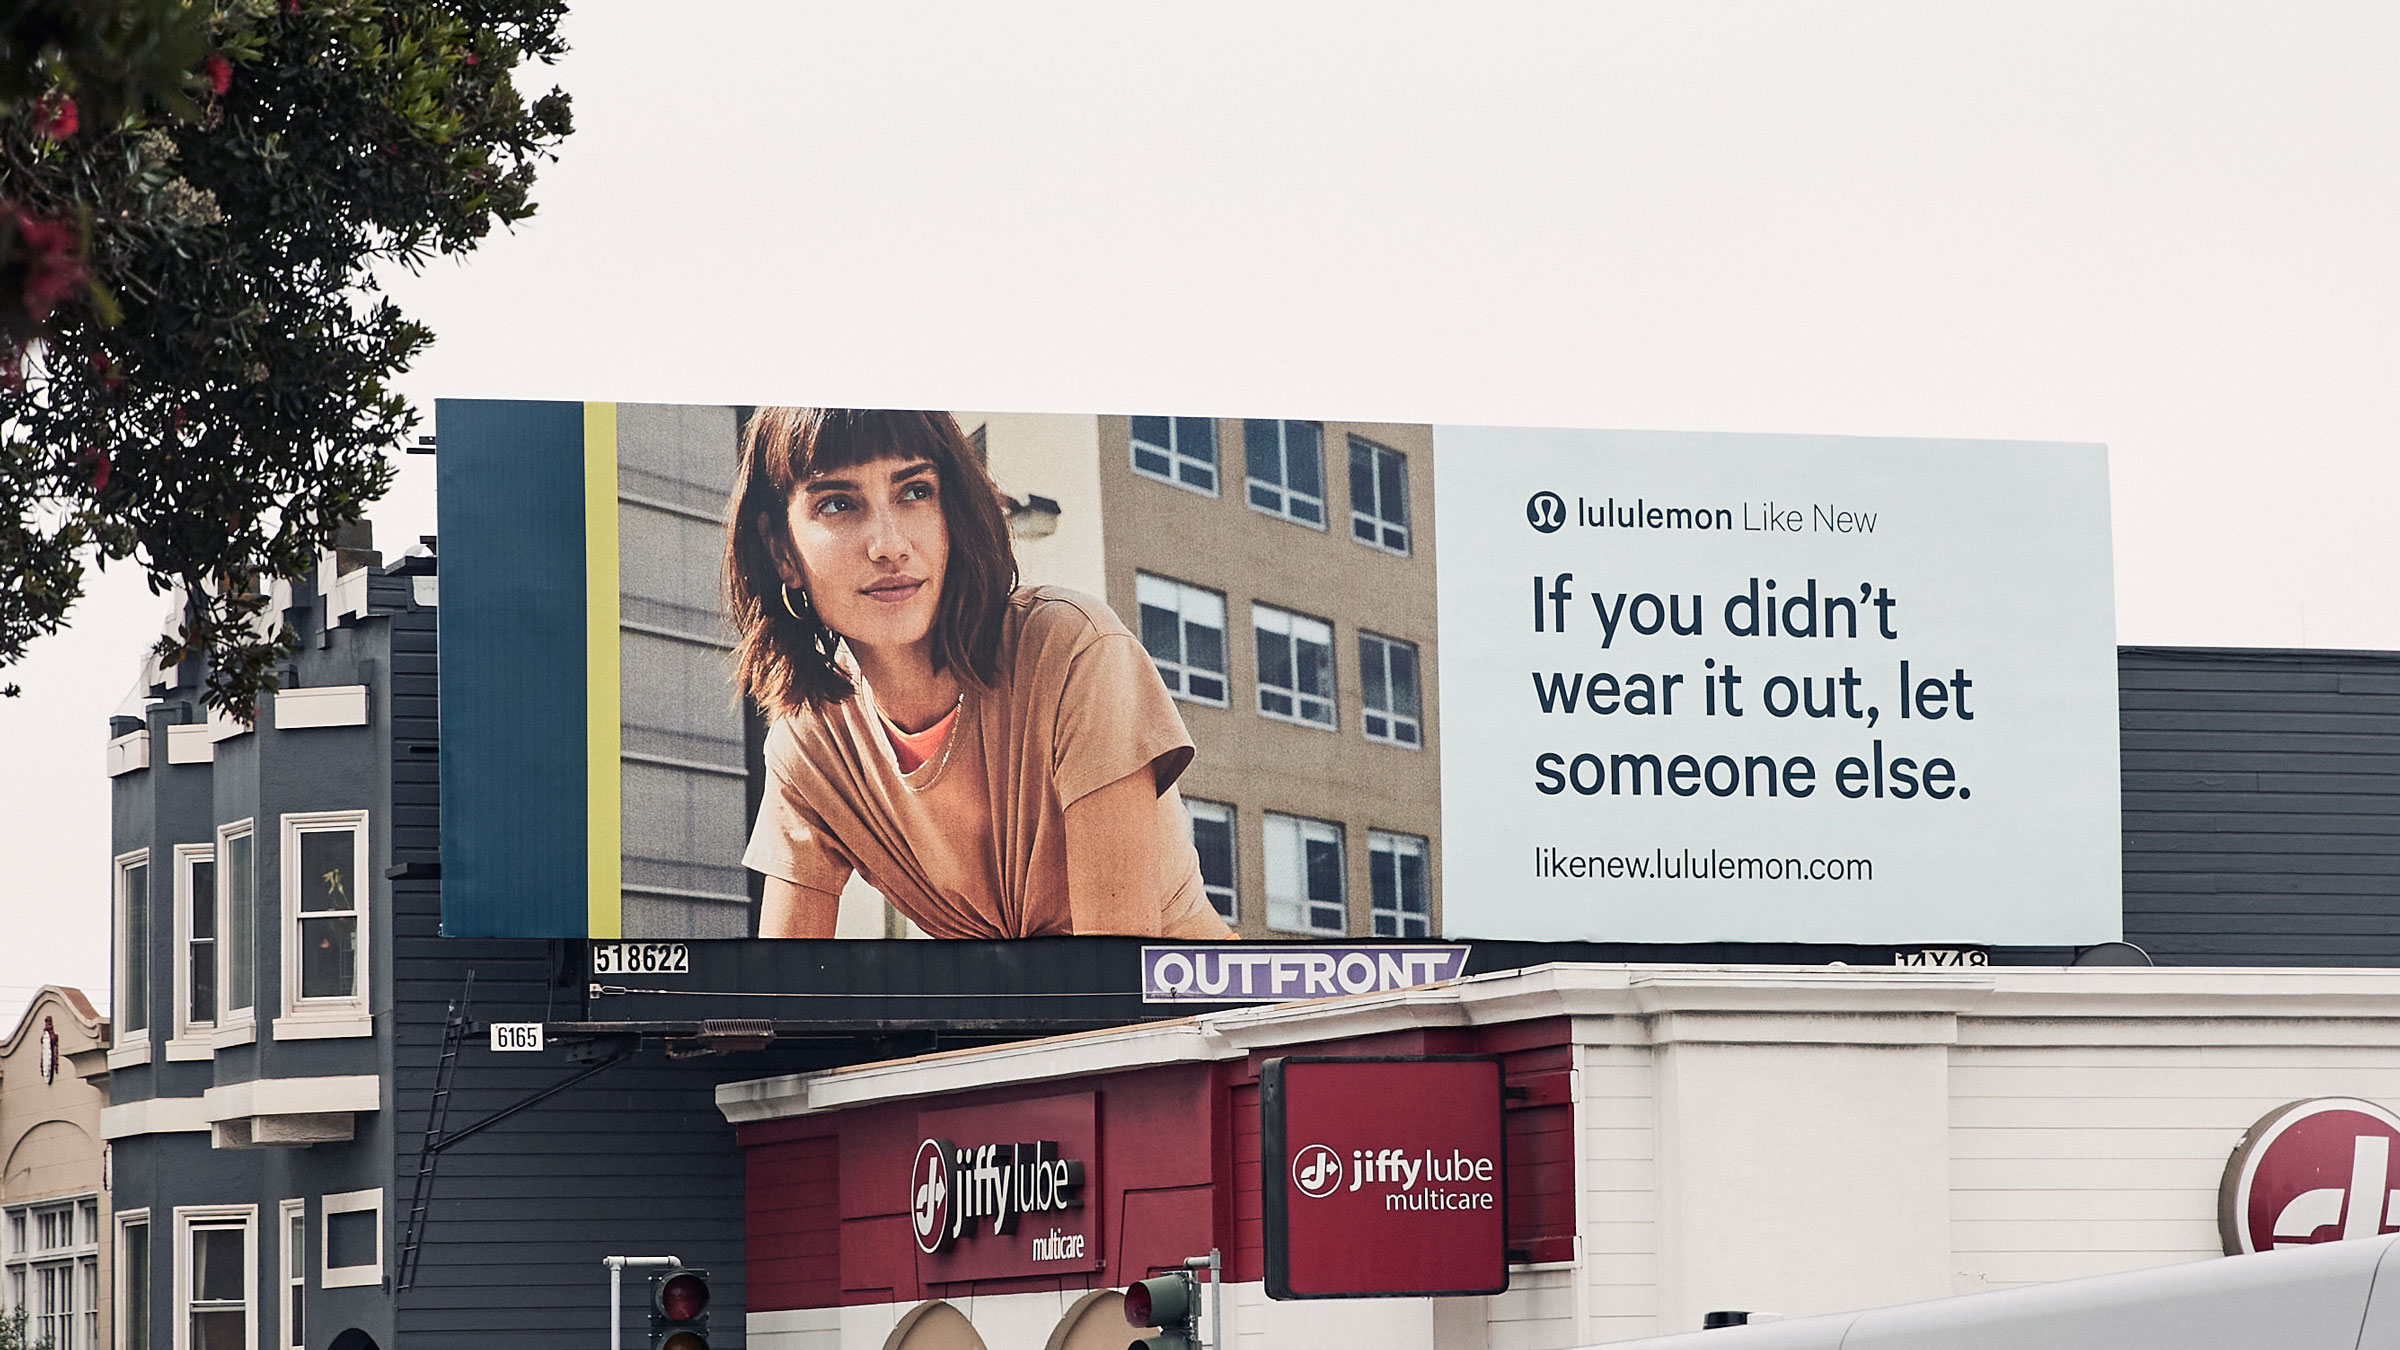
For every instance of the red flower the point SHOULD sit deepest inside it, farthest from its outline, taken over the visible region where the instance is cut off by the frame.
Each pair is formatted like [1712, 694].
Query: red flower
[55, 118]
[53, 270]
[99, 466]
[473, 60]
[220, 74]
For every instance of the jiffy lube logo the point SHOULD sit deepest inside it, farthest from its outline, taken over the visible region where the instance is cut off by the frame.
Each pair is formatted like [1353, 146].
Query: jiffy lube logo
[1431, 1179]
[1317, 1171]
[2320, 1170]
[951, 1188]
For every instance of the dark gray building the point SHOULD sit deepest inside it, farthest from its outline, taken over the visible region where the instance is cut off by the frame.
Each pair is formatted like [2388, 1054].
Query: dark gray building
[284, 1008]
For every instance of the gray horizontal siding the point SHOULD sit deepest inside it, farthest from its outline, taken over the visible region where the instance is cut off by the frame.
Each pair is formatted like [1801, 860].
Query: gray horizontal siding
[636, 1161]
[2261, 805]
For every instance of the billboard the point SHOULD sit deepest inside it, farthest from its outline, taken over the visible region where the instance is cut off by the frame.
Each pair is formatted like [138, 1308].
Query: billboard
[763, 671]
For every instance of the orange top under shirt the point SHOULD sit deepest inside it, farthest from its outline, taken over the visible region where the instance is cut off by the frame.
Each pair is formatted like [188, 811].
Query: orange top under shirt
[915, 747]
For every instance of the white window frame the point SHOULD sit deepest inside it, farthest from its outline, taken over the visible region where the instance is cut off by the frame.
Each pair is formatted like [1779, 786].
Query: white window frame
[235, 1026]
[190, 1217]
[1282, 493]
[1374, 513]
[1191, 606]
[1272, 622]
[1399, 844]
[122, 1055]
[330, 1276]
[76, 1261]
[120, 1317]
[1177, 456]
[292, 1286]
[1294, 911]
[1227, 900]
[87, 1268]
[1393, 721]
[353, 1008]
[191, 1038]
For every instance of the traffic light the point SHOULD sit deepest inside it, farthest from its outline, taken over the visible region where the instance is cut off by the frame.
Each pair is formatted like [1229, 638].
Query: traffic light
[1170, 1302]
[679, 1310]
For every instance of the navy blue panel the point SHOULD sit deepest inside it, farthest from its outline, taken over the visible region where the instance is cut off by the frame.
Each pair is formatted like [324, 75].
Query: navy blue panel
[512, 634]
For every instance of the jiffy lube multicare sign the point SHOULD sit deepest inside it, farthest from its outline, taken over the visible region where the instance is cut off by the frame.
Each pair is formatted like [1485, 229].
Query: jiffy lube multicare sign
[1383, 1176]
[1777, 688]
[996, 1191]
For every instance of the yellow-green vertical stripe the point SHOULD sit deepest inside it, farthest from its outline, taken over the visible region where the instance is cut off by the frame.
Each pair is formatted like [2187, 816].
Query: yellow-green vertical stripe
[604, 867]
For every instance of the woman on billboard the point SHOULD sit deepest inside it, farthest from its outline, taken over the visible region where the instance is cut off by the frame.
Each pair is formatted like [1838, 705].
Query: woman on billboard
[998, 760]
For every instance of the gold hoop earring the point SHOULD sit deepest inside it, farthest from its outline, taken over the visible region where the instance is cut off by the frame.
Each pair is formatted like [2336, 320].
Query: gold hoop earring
[787, 602]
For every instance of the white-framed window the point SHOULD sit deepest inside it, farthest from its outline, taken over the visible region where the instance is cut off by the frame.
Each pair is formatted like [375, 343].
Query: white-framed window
[1178, 450]
[132, 1010]
[1403, 895]
[292, 1227]
[131, 1277]
[1295, 666]
[1304, 875]
[52, 1260]
[1391, 711]
[1183, 629]
[325, 911]
[195, 939]
[1378, 496]
[237, 923]
[1212, 839]
[352, 1243]
[1284, 464]
[216, 1268]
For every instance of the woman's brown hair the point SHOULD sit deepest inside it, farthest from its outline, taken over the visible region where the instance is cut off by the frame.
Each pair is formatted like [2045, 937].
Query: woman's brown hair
[786, 662]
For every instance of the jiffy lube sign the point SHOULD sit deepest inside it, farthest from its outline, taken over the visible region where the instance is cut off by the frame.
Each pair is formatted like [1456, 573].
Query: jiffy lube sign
[1383, 1176]
[1777, 688]
[998, 1191]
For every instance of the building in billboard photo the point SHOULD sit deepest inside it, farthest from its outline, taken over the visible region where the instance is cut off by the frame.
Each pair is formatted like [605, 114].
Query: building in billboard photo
[1280, 574]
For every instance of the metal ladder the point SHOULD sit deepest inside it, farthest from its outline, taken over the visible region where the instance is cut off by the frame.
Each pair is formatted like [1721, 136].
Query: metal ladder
[437, 1114]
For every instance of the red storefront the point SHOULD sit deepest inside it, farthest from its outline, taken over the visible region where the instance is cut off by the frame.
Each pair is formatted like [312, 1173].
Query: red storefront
[1162, 1123]
[1676, 1139]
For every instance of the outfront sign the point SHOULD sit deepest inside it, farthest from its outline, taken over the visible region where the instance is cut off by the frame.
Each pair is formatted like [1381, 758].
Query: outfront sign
[2314, 1171]
[997, 1191]
[1383, 1177]
[1217, 973]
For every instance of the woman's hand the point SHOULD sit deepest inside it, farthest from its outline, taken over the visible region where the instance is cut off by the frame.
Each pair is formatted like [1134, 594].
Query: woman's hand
[1113, 858]
[794, 911]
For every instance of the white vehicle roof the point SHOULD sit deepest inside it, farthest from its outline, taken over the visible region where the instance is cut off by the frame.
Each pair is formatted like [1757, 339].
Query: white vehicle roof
[2325, 1297]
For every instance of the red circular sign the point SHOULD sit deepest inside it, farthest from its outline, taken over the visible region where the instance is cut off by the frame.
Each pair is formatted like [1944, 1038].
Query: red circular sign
[932, 1190]
[2314, 1171]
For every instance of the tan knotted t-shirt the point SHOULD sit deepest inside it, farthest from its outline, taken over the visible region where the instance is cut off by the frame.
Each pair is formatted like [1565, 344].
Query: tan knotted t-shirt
[972, 844]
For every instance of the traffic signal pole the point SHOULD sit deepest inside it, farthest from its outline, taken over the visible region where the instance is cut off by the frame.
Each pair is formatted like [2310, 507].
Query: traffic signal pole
[617, 1266]
[1214, 1264]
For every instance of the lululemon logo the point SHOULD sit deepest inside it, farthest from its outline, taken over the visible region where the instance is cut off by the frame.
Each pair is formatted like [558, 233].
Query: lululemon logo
[1546, 511]
[1317, 1171]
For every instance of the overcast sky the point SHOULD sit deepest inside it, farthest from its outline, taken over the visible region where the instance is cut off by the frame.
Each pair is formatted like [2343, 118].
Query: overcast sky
[2169, 227]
